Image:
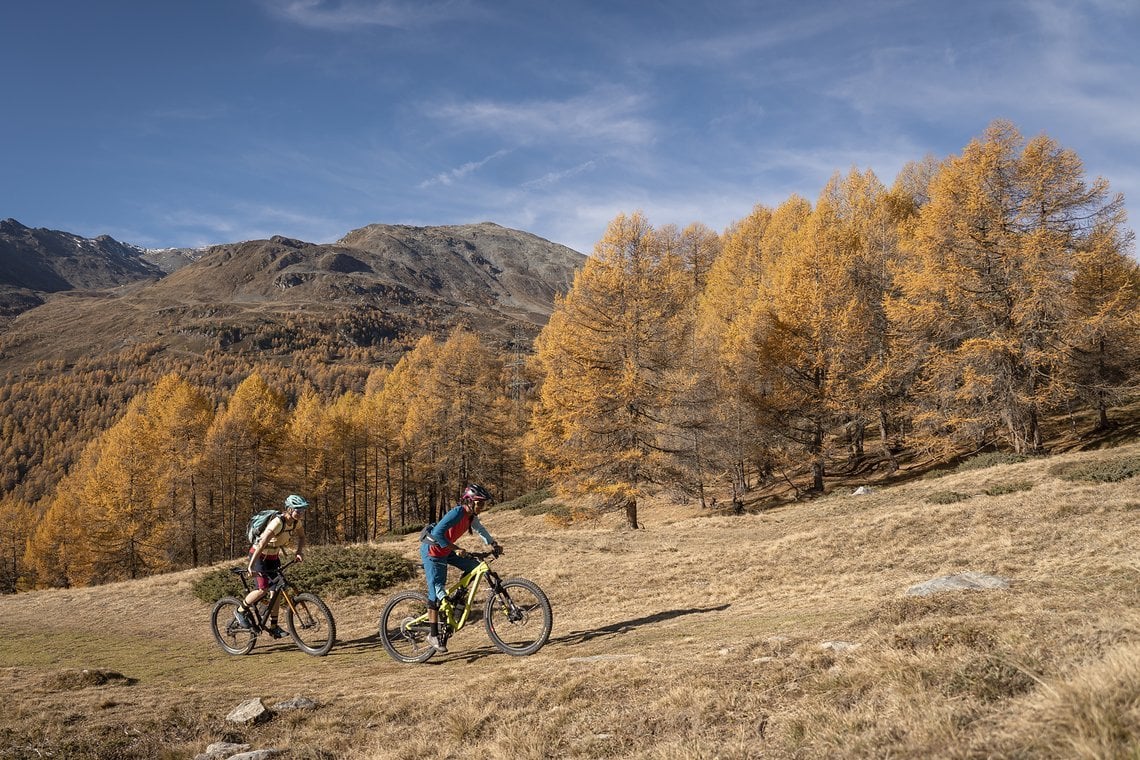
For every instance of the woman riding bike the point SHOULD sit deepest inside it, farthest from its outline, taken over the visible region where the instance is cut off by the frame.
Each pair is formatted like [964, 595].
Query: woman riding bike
[438, 550]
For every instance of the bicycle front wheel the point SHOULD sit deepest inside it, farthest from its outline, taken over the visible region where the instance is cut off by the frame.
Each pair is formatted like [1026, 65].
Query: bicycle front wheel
[518, 617]
[231, 637]
[312, 627]
[404, 627]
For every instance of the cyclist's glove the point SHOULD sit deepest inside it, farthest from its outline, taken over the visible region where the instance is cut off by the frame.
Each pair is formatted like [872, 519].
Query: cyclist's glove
[496, 549]
[460, 552]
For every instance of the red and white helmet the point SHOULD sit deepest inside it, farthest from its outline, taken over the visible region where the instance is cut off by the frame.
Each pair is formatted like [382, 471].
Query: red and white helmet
[475, 492]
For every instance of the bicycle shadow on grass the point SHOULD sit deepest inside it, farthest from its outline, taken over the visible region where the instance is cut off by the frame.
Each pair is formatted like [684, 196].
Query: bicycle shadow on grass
[372, 641]
[626, 626]
[581, 637]
[361, 644]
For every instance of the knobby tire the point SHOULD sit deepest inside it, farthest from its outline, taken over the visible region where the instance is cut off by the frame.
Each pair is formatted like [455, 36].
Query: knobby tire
[312, 628]
[230, 637]
[405, 642]
[518, 617]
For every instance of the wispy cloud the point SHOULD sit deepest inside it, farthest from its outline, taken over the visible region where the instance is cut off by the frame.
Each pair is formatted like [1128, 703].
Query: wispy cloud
[245, 221]
[345, 15]
[553, 178]
[611, 114]
[752, 38]
[449, 177]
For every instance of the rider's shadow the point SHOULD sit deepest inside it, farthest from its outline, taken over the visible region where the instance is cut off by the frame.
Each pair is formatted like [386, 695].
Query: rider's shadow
[576, 637]
[581, 637]
[364, 643]
[617, 629]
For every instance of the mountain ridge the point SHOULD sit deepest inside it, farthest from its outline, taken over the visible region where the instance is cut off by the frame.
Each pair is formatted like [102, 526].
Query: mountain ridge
[397, 281]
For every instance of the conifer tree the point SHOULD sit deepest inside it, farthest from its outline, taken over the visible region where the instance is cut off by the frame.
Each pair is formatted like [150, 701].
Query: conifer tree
[450, 420]
[724, 309]
[243, 449]
[51, 553]
[600, 424]
[16, 522]
[379, 420]
[985, 292]
[307, 455]
[106, 526]
[1102, 336]
[179, 415]
[691, 379]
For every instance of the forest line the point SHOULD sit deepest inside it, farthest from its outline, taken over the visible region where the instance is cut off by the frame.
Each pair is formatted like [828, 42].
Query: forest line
[953, 310]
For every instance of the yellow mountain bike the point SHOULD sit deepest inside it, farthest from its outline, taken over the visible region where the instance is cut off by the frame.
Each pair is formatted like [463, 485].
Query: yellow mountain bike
[516, 614]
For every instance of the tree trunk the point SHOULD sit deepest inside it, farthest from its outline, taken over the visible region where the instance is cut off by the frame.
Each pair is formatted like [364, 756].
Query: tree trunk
[631, 513]
[884, 439]
[817, 465]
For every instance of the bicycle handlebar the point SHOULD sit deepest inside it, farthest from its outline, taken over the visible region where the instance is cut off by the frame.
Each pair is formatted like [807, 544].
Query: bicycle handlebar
[243, 571]
[483, 555]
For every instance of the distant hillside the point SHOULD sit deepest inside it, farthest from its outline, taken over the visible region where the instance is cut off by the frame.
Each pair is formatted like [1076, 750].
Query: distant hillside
[36, 262]
[380, 286]
[86, 324]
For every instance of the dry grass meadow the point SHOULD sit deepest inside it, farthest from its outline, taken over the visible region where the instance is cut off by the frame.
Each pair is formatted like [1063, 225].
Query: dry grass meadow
[704, 635]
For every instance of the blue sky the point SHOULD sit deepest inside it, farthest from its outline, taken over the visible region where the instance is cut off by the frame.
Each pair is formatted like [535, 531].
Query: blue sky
[191, 123]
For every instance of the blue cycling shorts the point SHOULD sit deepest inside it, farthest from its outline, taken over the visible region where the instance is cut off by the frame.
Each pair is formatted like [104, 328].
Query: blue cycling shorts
[435, 570]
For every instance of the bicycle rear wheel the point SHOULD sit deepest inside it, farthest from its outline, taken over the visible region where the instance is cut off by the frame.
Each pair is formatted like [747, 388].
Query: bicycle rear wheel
[313, 628]
[404, 627]
[518, 617]
[230, 636]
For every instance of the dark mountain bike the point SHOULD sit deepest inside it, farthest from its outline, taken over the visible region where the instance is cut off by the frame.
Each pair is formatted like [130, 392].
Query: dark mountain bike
[307, 618]
[516, 614]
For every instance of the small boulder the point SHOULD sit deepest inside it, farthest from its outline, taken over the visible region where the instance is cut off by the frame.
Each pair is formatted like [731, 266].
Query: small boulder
[250, 711]
[296, 703]
[839, 646]
[967, 581]
[221, 751]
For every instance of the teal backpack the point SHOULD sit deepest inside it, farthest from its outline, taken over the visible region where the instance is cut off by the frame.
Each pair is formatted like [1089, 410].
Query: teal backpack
[257, 524]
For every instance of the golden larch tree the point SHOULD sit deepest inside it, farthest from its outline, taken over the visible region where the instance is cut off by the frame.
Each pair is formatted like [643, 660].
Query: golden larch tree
[984, 292]
[601, 424]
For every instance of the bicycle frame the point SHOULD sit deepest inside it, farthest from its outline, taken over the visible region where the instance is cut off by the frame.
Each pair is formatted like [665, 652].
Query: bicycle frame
[470, 581]
[447, 607]
[279, 586]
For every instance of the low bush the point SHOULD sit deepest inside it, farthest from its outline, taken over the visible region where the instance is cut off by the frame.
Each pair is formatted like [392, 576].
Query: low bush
[990, 459]
[1111, 471]
[536, 503]
[333, 571]
[526, 500]
[999, 489]
[946, 497]
[546, 508]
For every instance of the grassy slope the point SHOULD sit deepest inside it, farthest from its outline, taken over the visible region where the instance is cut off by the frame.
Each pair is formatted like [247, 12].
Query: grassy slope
[697, 637]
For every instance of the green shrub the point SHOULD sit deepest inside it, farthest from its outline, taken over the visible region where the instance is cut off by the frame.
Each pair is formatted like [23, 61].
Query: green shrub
[946, 497]
[557, 511]
[333, 571]
[535, 503]
[1112, 471]
[217, 583]
[990, 459]
[1003, 488]
[556, 508]
[526, 500]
